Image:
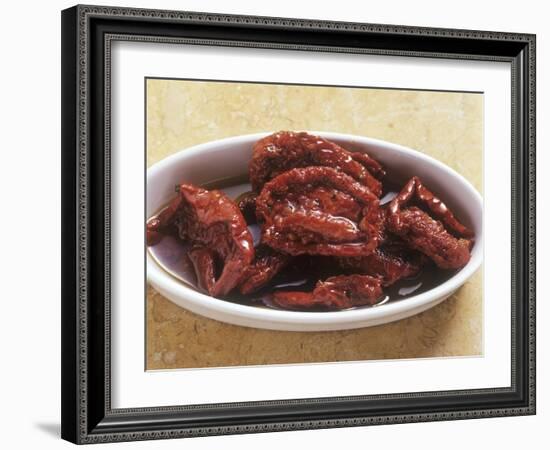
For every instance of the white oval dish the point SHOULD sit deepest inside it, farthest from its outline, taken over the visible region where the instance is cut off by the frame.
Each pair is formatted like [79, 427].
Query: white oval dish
[229, 158]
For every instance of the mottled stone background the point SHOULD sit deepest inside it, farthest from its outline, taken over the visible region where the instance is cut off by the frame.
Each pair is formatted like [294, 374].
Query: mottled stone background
[445, 125]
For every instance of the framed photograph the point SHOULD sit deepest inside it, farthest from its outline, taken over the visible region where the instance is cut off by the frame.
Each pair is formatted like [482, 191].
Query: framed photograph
[281, 224]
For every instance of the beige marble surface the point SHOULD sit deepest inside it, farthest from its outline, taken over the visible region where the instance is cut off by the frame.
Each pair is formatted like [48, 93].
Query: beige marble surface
[447, 126]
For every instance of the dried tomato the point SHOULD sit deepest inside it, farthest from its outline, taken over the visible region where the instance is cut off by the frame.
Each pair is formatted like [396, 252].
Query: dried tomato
[286, 150]
[267, 263]
[318, 210]
[448, 248]
[334, 293]
[213, 224]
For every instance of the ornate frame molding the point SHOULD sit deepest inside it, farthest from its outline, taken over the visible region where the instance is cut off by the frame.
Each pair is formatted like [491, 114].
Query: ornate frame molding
[80, 423]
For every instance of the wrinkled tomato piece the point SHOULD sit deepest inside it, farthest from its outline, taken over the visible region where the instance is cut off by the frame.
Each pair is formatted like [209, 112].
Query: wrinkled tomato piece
[203, 260]
[286, 150]
[389, 262]
[267, 263]
[213, 224]
[334, 293]
[318, 211]
[442, 238]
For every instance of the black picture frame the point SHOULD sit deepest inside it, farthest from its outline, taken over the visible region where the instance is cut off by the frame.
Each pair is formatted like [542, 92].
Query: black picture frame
[87, 32]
